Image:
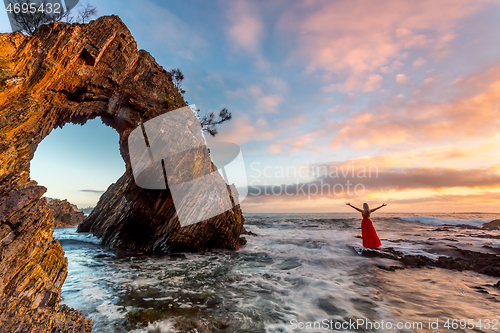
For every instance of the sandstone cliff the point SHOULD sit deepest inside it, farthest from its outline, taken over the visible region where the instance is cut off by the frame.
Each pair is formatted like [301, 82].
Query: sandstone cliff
[65, 214]
[72, 73]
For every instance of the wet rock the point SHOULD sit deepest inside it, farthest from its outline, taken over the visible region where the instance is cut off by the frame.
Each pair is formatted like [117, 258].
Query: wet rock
[289, 264]
[493, 225]
[480, 289]
[491, 248]
[481, 236]
[249, 233]
[327, 304]
[206, 326]
[484, 263]
[390, 268]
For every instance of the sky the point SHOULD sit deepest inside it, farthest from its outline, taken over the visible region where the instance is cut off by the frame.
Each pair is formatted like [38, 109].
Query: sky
[332, 101]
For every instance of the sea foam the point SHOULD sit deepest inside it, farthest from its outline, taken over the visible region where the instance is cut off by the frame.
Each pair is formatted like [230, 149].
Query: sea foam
[440, 221]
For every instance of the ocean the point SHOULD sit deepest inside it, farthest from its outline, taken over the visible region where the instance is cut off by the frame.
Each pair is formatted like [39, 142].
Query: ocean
[300, 273]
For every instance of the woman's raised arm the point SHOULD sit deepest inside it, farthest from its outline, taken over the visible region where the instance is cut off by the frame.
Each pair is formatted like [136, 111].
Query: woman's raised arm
[374, 209]
[359, 210]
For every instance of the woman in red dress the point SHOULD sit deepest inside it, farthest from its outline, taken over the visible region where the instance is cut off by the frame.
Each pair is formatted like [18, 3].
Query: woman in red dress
[368, 233]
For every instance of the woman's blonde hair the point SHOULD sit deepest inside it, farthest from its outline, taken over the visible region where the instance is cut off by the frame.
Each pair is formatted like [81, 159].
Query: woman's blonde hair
[366, 209]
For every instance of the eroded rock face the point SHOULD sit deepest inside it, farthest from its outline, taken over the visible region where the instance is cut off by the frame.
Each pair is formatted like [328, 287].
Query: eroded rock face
[65, 214]
[32, 265]
[130, 217]
[73, 73]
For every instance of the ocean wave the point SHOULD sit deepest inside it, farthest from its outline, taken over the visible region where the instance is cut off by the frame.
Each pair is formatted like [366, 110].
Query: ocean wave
[293, 223]
[292, 272]
[77, 243]
[440, 221]
[70, 236]
[158, 326]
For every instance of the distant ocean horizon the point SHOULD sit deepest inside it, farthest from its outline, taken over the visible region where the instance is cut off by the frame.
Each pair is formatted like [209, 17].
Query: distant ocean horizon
[299, 268]
[465, 215]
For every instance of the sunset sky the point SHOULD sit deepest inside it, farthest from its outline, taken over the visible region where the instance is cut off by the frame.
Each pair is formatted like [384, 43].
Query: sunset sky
[408, 88]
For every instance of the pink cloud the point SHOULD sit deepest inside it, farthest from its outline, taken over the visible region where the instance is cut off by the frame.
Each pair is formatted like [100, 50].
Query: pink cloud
[264, 102]
[374, 82]
[242, 131]
[401, 78]
[470, 115]
[428, 80]
[246, 26]
[275, 148]
[307, 142]
[393, 67]
[357, 83]
[269, 103]
[357, 38]
[419, 62]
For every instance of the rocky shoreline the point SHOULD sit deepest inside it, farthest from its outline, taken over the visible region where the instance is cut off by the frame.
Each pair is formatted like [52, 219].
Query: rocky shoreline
[485, 260]
[455, 259]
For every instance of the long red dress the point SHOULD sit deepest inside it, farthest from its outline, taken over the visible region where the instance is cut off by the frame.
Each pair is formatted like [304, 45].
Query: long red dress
[368, 234]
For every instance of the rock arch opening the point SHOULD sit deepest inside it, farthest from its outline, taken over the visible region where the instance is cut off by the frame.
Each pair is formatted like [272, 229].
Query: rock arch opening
[78, 163]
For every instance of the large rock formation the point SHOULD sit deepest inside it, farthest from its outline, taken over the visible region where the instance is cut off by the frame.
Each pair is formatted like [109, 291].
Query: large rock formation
[134, 218]
[65, 214]
[72, 73]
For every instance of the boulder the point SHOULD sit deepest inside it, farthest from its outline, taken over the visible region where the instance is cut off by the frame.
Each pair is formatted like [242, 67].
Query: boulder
[493, 225]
